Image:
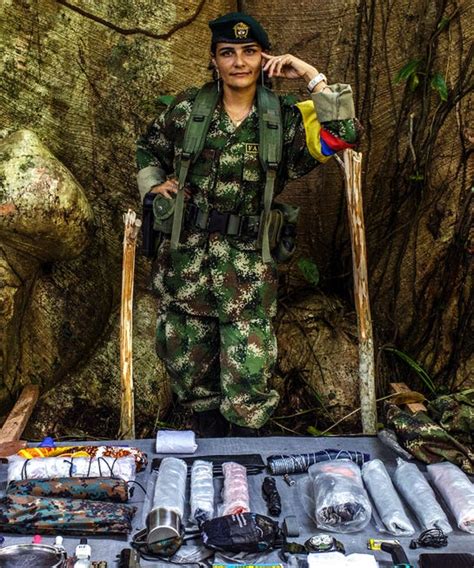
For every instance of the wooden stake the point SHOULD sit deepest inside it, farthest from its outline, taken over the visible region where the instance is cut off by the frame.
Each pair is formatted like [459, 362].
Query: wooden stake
[353, 183]
[127, 415]
[18, 418]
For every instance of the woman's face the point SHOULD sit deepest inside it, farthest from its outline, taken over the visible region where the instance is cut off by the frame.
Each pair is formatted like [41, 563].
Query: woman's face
[239, 65]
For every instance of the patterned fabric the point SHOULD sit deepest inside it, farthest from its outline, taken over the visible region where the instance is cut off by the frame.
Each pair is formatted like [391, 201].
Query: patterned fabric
[455, 413]
[43, 515]
[426, 440]
[96, 488]
[224, 359]
[87, 451]
[224, 366]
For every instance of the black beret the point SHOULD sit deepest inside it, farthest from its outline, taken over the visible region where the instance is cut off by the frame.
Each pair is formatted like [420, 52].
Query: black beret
[237, 27]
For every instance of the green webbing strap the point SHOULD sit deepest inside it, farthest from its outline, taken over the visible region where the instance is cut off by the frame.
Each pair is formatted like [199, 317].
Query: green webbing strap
[193, 143]
[270, 151]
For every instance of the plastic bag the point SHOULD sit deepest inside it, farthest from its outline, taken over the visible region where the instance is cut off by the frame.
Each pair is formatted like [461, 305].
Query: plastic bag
[202, 491]
[416, 490]
[340, 502]
[176, 442]
[52, 468]
[170, 486]
[386, 499]
[457, 490]
[236, 489]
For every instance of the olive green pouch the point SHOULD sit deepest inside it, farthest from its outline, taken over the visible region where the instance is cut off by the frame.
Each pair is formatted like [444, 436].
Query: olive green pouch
[163, 210]
[282, 231]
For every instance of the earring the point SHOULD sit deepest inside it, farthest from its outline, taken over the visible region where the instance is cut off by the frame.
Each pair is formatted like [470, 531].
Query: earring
[218, 80]
[262, 76]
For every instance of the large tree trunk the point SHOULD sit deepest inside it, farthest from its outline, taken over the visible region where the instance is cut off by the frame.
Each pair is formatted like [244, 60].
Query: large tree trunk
[418, 167]
[85, 75]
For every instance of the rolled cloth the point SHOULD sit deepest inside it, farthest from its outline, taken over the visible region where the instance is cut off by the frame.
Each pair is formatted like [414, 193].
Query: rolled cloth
[175, 442]
[23, 514]
[93, 488]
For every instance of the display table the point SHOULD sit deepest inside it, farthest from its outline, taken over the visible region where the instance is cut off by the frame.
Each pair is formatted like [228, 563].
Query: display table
[108, 548]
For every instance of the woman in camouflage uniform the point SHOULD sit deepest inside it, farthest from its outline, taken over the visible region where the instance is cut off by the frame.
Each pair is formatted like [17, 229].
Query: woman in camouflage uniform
[218, 295]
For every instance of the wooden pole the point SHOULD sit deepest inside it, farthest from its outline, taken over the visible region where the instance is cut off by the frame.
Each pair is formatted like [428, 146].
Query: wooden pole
[127, 414]
[352, 172]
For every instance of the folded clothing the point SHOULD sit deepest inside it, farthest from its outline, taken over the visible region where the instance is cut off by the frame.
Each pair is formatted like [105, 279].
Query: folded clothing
[48, 515]
[93, 488]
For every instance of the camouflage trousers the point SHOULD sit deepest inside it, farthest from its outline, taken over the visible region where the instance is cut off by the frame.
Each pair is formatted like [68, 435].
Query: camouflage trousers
[220, 365]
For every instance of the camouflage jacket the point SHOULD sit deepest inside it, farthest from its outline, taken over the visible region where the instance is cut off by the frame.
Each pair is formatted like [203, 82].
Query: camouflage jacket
[219, 275]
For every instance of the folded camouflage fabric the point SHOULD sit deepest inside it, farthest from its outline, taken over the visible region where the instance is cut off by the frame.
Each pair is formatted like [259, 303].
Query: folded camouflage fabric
[87, 452]
[44, 515]
[426, 440]
[455, 413]
[93, 488]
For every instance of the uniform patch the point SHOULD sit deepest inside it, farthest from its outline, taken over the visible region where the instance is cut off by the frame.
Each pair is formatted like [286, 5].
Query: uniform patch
[251, 148]
[241, 30]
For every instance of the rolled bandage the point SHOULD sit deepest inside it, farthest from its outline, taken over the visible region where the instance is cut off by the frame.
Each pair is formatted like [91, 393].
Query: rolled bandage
[457, 490]
[176, 442]
[236, 489]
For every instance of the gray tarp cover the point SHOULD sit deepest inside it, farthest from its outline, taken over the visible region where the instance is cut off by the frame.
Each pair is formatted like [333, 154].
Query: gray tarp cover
[108, 549]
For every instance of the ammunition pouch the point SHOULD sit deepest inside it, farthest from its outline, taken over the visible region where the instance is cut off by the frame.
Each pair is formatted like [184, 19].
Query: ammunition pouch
[158, 214]
[282, 231]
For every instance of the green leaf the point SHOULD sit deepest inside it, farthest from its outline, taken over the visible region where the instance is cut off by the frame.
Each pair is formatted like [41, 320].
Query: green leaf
[309, 270]
[439, 84]
[166, 99]
[414, 81]
[407, 70]
[312, 431]
[443, 22]
[416, 367]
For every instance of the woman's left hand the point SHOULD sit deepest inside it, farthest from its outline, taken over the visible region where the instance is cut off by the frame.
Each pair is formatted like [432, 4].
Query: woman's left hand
[287, 66]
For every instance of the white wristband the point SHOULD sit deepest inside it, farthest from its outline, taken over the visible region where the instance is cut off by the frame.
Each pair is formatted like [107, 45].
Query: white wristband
[315, 81]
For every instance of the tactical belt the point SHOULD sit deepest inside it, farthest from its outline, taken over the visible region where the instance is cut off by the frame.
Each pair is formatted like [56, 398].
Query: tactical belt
[225, 223]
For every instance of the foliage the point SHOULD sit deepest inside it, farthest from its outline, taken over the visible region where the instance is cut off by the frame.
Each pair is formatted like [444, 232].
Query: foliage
[309, 270]
[427, 381]
[415, 68]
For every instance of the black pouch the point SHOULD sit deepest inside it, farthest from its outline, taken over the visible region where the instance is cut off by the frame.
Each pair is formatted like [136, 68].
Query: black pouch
[282, 231]
[246, 532]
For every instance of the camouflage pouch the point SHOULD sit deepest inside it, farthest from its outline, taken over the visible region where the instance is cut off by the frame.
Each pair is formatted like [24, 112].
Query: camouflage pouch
[163, 211]
[44, 515]
[282, 231]
[93, 488]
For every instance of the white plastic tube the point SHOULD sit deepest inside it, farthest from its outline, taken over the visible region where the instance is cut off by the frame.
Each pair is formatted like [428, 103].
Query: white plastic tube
[417, 492]
[202, 491]
[457, 490]
[386, 499]
[170, 486]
